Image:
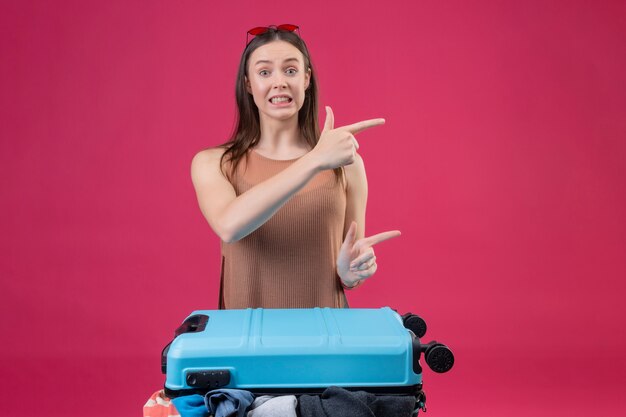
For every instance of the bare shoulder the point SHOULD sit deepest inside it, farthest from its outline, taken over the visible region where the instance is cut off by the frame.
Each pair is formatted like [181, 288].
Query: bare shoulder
[355, 172]
[208, 155]
[206, 163]
[357, 165]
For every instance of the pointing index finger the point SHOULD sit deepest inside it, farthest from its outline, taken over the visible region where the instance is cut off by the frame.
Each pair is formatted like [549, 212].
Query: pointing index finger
[381, 237]
[361, 126]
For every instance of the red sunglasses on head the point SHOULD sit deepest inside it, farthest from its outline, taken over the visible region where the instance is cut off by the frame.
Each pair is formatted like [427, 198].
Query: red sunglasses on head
[262, 29]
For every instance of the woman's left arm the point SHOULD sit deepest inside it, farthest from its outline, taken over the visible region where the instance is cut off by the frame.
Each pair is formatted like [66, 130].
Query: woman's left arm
[356, 196]
[357, 261]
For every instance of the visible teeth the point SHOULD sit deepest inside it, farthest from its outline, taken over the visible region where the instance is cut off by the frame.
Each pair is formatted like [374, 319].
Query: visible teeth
[279, 99]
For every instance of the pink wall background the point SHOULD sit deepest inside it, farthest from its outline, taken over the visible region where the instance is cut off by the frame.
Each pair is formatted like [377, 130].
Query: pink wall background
[503, 163]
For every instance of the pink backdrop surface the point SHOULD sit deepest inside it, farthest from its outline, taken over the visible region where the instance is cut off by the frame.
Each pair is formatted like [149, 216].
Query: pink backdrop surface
[503, 163]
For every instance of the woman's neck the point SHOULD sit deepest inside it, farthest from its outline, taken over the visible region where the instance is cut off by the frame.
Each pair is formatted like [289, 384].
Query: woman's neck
[281, 139]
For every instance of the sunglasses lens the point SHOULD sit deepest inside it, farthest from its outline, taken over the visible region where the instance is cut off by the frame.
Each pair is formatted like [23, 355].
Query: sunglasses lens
[257, 31]
[290, 28]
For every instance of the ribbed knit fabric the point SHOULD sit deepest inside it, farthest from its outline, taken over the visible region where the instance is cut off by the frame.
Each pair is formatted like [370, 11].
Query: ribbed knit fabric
[290, 261]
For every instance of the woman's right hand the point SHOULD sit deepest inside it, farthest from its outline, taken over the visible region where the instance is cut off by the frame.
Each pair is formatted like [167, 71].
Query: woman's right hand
[337, 147]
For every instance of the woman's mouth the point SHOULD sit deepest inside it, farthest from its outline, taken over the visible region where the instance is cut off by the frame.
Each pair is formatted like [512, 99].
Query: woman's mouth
[281, 101]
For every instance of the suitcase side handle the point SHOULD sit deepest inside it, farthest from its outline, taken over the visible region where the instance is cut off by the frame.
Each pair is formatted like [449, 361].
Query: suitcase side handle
[192, 324]
[164, 358]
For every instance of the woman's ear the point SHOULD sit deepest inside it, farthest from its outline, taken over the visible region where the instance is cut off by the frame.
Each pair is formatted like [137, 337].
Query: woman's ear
[247, 82]
[307, 79]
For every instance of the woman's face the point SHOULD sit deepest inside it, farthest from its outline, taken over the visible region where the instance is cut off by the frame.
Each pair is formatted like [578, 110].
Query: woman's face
[277, 69]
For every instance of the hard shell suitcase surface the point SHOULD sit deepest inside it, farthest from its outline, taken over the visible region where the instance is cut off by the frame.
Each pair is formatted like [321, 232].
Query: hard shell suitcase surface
[300, 351]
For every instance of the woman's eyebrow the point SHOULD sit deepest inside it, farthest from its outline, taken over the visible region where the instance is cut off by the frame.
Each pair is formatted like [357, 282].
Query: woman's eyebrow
[265, 61]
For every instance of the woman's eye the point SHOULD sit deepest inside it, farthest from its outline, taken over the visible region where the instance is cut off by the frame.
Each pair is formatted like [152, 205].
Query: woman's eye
[265, 72]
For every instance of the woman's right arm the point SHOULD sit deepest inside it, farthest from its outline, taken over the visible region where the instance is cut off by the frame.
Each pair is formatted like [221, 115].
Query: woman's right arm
[233, 217]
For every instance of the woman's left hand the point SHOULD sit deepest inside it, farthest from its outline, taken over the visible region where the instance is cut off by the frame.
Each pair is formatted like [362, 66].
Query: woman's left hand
[356, 261]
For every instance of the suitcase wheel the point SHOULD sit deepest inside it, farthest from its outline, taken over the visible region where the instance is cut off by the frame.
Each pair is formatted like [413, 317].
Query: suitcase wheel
[415, 323]
[439, 358]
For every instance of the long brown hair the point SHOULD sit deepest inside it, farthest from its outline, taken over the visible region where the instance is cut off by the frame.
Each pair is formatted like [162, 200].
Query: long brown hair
[247, 131]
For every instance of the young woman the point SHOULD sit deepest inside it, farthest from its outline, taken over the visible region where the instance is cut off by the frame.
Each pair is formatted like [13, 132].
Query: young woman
[287, 201]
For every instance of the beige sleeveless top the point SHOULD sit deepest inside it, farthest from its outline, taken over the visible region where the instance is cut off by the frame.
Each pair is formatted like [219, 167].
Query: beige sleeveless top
[290, 261]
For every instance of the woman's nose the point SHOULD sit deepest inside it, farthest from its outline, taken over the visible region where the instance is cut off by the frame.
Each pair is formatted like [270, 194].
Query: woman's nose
[280, 81]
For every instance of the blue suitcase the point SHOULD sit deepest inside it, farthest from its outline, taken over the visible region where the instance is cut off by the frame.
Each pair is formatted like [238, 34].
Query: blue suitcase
[301, 351]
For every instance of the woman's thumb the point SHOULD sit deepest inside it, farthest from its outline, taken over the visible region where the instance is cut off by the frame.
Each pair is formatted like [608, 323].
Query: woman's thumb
[351, 235]
[329, 123]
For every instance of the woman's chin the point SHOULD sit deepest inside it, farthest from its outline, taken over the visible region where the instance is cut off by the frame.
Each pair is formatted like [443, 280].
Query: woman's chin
[281, 114]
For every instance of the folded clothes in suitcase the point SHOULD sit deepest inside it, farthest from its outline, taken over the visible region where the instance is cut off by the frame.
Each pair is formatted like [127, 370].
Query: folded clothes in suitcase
[300, 351]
